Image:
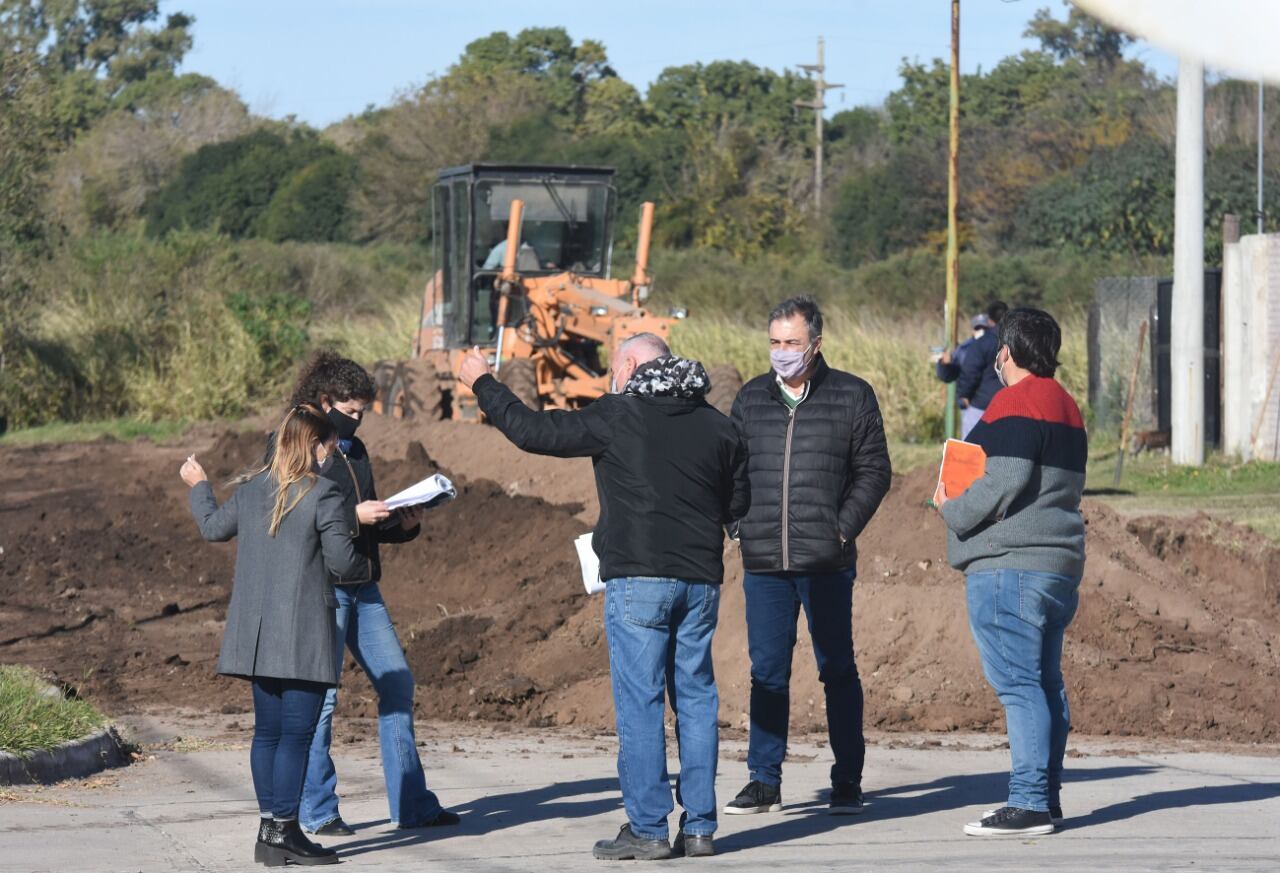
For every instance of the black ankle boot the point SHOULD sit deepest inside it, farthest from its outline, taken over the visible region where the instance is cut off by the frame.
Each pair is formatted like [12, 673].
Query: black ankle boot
[286, 842]
[260, 847]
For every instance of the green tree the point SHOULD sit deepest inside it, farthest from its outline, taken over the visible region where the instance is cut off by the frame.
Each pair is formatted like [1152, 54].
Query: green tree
[91, 50]
[736, 93]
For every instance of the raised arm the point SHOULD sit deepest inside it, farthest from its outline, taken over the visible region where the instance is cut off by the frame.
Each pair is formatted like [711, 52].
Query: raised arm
[217, 523]
[336, 542]
[579, 434]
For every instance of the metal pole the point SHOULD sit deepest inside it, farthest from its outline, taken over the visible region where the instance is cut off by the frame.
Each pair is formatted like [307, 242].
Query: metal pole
[953, 196]
[1260, 113]
[1187, 315]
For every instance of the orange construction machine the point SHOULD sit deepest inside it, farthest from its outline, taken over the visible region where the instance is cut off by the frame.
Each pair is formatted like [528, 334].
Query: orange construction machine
[523, 256]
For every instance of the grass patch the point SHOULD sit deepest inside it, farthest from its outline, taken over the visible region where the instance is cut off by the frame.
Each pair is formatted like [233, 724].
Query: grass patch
[1158, 475]
[123, 429]
[33, 717]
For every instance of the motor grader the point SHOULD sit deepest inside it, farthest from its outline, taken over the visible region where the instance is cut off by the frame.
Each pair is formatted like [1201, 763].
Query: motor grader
[523, 257]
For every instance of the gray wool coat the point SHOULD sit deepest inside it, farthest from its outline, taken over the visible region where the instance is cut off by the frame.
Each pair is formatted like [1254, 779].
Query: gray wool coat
[281, 621]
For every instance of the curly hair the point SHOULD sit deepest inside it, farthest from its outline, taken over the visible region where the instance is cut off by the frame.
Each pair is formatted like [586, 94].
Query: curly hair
[329, 375]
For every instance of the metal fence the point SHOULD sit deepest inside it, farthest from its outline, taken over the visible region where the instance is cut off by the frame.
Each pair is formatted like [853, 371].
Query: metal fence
[1119, 307]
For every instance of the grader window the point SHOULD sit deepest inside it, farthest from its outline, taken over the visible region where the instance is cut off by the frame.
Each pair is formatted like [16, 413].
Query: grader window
[565, 225]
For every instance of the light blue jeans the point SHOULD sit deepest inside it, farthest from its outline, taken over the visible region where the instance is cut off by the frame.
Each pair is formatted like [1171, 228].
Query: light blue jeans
[1018, 619]
[659, 633]
[365, 625]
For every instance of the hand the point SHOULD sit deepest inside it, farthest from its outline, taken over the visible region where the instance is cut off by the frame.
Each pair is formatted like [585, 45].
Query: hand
[474, 365]
[192, 473]
[409, 516]
[946, 357]
[964, 403]
[372, 512]
[940, 497]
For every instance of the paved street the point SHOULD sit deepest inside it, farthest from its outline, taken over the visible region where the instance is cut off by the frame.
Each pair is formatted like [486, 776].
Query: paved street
[538, 800]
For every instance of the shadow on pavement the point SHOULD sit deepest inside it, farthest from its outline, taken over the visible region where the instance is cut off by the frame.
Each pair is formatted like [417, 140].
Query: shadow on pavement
[496, 812]
[1209, 795]
[979, 790]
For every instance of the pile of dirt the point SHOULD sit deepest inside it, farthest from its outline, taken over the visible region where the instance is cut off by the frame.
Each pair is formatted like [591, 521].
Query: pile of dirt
[104, 581]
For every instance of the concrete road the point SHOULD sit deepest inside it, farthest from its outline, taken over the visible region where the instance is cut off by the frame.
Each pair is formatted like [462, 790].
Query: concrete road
[538, 800]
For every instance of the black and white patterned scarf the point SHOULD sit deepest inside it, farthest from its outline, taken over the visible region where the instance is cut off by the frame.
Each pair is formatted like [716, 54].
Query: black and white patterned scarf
[669, 376]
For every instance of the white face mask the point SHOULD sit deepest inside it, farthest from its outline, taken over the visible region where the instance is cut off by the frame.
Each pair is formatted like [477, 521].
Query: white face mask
[999, 368]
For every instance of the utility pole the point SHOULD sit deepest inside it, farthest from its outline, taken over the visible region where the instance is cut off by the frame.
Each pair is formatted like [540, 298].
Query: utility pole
[953, 197]
[820, 88]
[1186, 320]
[1260, 111]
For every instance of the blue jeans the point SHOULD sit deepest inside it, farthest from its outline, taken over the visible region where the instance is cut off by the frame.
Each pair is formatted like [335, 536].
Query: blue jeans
[773, 609]
[365, 625]
[284, 720]
[659, 633]
[1018, 619]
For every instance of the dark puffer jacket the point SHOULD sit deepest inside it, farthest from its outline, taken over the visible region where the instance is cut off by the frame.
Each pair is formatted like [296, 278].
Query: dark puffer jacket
[817, 474]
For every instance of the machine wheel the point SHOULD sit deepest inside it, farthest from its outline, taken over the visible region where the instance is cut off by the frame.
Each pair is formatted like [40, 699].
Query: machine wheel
[519, 375]
[726, 382]
[406, 389]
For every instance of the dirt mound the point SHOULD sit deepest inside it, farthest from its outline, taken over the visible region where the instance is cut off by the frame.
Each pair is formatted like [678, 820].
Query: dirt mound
[104, 581]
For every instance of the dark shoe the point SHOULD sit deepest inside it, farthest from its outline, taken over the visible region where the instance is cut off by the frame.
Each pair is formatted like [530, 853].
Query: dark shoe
[846, 799]
[694, 845]
[260, 847]
[755, 797]
[334, 828]
[1055, 813]
[285, 842]
[1010, 821]
[629, 847]
[443, 819]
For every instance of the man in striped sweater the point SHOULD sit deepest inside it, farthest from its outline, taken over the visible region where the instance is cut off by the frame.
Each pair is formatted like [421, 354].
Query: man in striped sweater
[1018, 535]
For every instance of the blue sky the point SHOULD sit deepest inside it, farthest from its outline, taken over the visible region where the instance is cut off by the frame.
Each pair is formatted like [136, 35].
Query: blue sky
[324, 59]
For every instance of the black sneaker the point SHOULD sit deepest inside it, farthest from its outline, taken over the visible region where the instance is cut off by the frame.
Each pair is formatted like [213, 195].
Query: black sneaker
[846, 799]
[1009, 821]
[694, 845]
[334, 828]
[1055, 813]
[755, 797]
[629, 847]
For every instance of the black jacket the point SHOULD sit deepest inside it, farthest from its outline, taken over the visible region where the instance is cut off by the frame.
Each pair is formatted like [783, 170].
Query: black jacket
[818, 474]
[352, 472]
[670, 473]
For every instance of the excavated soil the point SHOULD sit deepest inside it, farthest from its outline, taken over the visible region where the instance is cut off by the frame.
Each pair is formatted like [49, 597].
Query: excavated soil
[105, 582]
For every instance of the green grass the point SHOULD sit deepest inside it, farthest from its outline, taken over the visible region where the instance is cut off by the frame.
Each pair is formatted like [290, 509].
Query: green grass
[35, 717]
[124, 429]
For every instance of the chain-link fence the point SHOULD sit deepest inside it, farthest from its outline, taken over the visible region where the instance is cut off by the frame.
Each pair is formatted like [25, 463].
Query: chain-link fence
[1120, 305]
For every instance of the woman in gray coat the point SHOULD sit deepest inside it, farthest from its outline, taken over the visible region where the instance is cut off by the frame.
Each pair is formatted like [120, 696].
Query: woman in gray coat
[281, 635]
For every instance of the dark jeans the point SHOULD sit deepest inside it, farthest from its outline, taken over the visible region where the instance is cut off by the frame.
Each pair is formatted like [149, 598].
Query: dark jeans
[285, 712]
[773, 609]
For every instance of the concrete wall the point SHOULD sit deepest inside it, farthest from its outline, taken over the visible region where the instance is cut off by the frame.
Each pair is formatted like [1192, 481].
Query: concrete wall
[1251, 346]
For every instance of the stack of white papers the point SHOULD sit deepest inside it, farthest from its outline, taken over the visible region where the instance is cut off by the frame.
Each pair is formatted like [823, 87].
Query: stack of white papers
[590, 564]
[431, 491]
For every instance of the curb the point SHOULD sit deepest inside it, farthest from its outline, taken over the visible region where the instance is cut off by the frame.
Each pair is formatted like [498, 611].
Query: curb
[72, 760]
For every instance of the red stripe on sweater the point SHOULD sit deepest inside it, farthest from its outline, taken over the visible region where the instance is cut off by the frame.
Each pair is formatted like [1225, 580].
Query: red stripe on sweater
[1036, 398]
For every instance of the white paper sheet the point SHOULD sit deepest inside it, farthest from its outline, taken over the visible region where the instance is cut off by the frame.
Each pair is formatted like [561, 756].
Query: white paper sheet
[590, 564]
[431, 491]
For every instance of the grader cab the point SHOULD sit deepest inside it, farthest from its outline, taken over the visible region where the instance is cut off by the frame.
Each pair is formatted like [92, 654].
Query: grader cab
[523, 259]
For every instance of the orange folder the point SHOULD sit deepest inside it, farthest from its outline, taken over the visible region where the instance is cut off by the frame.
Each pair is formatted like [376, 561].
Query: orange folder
[962, 464]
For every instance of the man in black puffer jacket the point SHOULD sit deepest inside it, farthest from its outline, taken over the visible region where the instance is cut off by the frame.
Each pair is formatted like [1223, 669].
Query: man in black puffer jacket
[819, 467]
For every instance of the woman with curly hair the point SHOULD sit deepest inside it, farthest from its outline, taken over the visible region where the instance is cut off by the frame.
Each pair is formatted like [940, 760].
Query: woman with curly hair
[344, 390]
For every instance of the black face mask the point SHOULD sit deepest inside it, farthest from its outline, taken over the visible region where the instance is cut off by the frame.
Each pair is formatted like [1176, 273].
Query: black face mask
[344, 424]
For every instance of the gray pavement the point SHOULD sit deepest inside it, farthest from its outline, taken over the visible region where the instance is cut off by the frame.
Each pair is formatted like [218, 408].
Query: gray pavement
[537, 800]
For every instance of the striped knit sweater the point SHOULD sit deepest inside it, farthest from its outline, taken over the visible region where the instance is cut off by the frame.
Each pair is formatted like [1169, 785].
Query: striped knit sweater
[1024, 514]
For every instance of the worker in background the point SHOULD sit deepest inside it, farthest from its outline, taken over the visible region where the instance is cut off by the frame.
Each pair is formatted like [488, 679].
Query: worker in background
[1018, 536]
[947, 364]
[670, 473]
[819, 467]
[977, 382]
